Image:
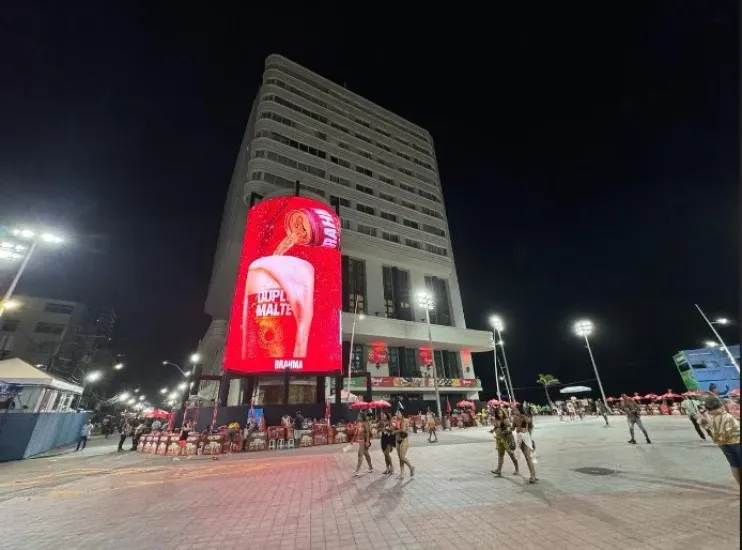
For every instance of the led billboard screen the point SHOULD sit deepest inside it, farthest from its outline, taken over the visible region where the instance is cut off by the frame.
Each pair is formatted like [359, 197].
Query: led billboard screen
[287, 301]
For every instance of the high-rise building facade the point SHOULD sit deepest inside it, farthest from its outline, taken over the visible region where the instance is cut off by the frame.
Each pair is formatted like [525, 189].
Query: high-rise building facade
[382, 172]
[66, 338]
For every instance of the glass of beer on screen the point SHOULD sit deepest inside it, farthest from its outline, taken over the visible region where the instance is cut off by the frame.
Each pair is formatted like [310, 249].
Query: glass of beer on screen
[278, 307]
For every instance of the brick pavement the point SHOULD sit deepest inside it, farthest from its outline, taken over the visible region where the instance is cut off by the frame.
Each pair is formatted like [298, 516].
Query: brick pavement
[676, 492]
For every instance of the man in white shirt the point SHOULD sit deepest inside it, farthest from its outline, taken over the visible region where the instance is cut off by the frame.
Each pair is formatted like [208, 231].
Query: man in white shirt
[85, 432]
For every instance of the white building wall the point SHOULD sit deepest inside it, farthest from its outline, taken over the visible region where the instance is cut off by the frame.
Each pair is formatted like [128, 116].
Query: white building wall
[300, 125]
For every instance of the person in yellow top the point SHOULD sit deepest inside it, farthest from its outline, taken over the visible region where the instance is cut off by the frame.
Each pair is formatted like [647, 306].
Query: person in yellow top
[724, 430]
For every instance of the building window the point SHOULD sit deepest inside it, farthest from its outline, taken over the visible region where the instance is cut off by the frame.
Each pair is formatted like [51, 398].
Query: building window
[393, 361]
[387, 197]
[338, 179]
[9, 326]
[338, 127]
[411, 223]
[413, 244]
[365, 154]
[366, 230]
[346, 224]
[396, 293]
[408, 363]
[312, 189]
[363, 123]
[340, 162]
[365, 209]
[364, 189]
[364, 138]
[406, 187]
[436, 249]
[49, 328]
[391, 237]
[357, 365]
[407, 204]
[291, 163]
[51, 307]
[429, 212]
[441, 312]
[388, 216]
[354, 283]
[340, 200]
[429, 196]
[364, 171]
[434, 230]
[384, 179]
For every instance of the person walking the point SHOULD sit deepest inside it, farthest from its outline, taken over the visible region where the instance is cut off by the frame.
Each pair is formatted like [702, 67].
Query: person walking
[85, 432]
[602, 409]
[504, 441]
[402, 443]
[431, 427]
[633, 417]
[571, 411]
[691, 409]
[126, 431]
[523, 427]
[387, 441]
[724, 430]
[363, 436]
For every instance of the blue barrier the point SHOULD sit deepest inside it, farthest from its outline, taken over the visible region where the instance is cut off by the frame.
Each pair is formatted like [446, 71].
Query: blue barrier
[23, 435]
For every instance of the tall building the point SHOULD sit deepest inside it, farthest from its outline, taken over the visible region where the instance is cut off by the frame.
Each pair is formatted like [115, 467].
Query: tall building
[382, 171]
[67, 338]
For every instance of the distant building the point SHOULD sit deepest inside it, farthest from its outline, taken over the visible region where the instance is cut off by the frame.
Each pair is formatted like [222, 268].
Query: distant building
[382, 172]
[64, 337]
[700, 367]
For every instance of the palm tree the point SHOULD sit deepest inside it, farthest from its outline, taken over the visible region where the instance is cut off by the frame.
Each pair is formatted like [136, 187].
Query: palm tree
[547, 380]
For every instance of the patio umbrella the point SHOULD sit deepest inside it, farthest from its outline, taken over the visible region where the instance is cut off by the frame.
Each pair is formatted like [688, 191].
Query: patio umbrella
[465, 404]
[612, 399]
[448, 406]
[735, 391]
[157, 413]
[494, 403]
[360, 405]
[575, 389]
[669, 395]
[651, 396]
[693, 393]
[379, 404]
[637, 397]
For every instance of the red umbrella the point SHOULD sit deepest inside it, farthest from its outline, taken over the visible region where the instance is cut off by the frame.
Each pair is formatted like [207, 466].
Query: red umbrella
[735, 391]
[669, 395]
[157, 413]
[360, 405]
[694, 393]
[612, 399]
[379, 404]
[494, 403]
[651, 396]
[448, 406]
[464, 404]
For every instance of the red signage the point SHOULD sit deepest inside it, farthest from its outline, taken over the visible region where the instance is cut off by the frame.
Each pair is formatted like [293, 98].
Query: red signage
[378, 354]
[425, 355]
[396, 382]
[287, 301]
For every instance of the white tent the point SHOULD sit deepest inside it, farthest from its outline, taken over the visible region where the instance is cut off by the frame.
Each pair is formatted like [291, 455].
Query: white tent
[41, 392]
[16, 371]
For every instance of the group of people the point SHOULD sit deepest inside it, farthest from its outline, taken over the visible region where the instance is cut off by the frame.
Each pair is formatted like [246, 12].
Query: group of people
[514, 433]
[394, 435]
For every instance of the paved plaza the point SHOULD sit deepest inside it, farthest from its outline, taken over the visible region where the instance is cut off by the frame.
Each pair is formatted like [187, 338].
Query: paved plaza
[596, 491]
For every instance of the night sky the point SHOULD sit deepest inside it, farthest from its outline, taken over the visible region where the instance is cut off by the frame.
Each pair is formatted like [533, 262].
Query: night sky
[589, 161]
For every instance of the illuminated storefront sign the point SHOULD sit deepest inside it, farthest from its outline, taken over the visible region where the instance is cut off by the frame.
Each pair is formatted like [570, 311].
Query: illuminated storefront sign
[286, 308]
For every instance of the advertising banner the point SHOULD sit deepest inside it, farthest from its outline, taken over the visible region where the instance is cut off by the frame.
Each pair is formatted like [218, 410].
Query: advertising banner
[287, 301]
[425, 356]
[378, 354]
[398, 382]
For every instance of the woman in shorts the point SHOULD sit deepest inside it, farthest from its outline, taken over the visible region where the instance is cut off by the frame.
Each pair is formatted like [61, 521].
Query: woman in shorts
[387, 441]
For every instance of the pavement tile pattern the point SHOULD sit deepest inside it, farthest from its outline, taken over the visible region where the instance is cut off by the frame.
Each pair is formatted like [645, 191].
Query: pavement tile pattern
[595, 491]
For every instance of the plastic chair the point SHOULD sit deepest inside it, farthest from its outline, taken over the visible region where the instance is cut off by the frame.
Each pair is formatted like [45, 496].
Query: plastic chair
[289, 443]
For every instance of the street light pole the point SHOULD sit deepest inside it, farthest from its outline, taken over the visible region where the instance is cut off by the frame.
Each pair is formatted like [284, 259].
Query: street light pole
[9, 293]
[498, 327]
[497, 376]
[584, 328]
[426, 302]
[352, 338]
[723, 345]
[506, 368]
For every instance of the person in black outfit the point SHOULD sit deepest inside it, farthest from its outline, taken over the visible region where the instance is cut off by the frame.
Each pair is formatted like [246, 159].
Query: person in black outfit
[387, 441]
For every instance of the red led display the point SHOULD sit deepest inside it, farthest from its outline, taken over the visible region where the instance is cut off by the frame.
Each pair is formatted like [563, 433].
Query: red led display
[287, 301]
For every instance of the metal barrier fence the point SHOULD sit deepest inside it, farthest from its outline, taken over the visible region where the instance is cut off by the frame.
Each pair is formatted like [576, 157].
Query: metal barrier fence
[23, 435]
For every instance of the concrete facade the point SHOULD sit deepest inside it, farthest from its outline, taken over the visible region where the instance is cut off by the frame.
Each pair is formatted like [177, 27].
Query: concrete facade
[383, 172]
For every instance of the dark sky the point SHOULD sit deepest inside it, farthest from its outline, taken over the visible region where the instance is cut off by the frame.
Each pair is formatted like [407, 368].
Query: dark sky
[589, 161]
